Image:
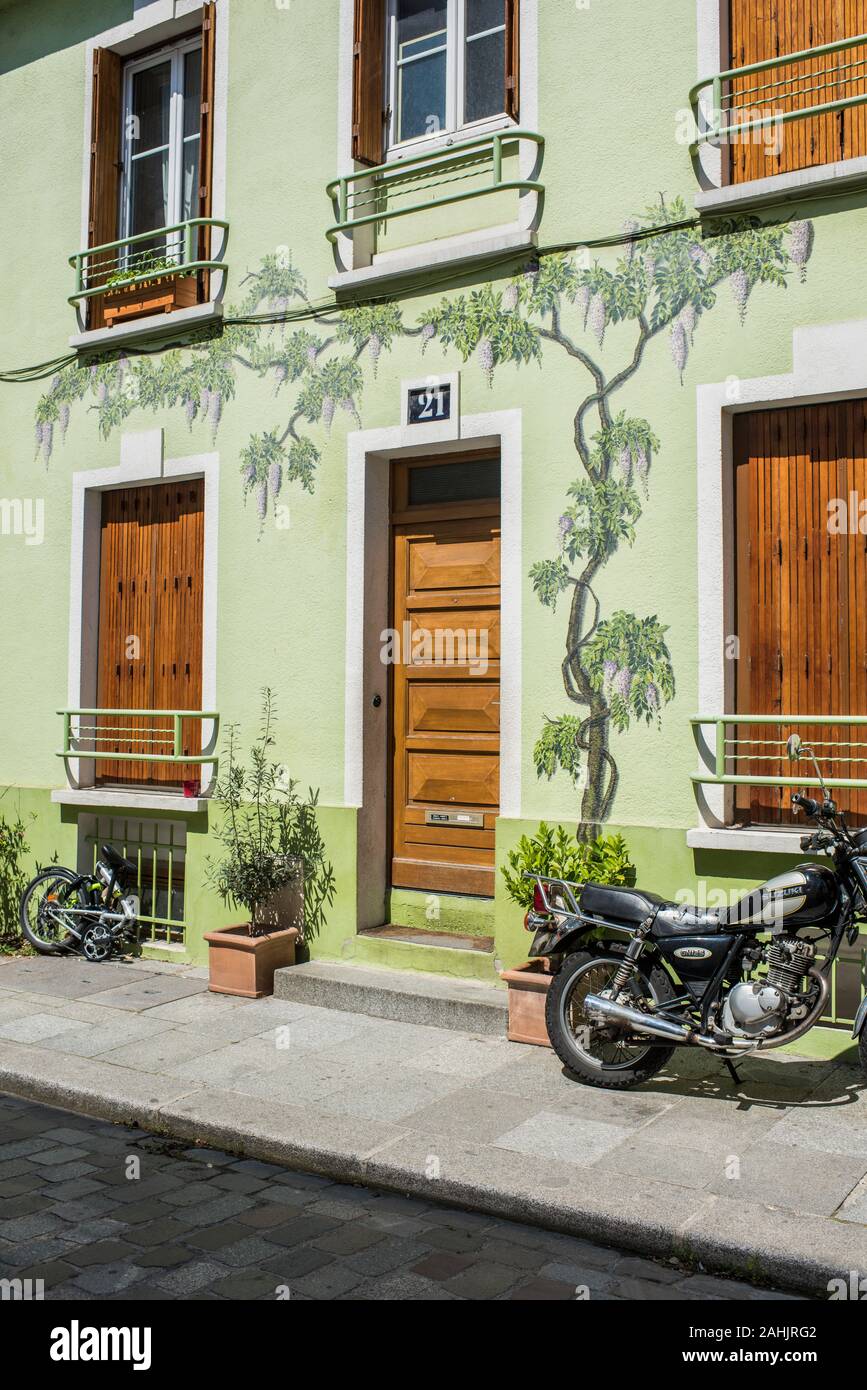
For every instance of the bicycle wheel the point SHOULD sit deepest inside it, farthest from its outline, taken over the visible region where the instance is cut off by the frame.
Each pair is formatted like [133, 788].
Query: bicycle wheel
[41, 910]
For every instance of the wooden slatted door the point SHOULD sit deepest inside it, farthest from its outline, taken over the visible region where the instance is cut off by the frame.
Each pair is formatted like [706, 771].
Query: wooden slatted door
[801, 588]
[150, 624]
[446, 698]
[770, 30]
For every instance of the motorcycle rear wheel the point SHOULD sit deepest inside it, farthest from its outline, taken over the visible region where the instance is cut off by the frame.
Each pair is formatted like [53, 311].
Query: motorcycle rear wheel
[595, 1055]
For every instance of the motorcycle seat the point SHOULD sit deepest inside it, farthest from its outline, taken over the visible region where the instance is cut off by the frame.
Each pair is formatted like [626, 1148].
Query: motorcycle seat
[618, 904]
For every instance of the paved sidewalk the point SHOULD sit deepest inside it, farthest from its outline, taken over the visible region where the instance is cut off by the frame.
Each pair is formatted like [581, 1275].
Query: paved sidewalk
[203, 1224]
[767, 1179]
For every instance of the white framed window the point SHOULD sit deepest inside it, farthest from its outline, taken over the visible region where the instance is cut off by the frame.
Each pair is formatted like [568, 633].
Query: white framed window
[161, 140]
[446, 65]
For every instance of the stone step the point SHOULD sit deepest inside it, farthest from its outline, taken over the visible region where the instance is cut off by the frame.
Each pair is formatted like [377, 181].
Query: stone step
[423, 936]
[406, 996]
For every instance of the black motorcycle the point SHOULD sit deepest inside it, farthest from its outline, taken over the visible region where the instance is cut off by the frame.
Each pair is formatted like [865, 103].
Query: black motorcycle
[637, 976]
[92, 915]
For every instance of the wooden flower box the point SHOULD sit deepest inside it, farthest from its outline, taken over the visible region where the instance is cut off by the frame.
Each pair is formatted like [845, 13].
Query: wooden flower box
[158, 296]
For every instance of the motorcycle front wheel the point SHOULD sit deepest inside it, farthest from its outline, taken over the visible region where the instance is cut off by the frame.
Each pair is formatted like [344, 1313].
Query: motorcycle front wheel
[597, 1054]
[39, 901]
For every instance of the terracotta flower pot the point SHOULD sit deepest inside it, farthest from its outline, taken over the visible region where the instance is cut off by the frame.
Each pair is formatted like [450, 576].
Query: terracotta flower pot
[528, 991]
[242, 964]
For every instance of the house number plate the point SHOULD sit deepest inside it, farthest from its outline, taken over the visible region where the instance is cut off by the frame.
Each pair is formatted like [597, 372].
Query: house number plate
[430, 405]
[471, 818]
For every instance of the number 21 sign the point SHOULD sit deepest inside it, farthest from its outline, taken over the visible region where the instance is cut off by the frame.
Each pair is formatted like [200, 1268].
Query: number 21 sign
[429, 405]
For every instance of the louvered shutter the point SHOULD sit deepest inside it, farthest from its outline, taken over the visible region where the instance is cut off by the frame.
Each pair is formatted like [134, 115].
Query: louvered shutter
[513, 58]
[105, 167]
[368, 81]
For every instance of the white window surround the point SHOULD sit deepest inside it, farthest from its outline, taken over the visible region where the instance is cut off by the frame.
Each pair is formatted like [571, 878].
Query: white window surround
[715, 195]
[141, 461]
[160, 21]
[353, 252]
[829, 363]
[367, 728]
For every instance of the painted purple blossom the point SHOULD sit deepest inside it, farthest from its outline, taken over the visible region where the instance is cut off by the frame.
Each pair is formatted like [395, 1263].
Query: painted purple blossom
[427, 333]
[374, 345]
[801, 245]
[623, 682]
[597, 316]
[485, 356]
[582, 299]
[740, 284]
[275, 478]
[609, 671]
[328, 409]
[679, 346]
[510, 298]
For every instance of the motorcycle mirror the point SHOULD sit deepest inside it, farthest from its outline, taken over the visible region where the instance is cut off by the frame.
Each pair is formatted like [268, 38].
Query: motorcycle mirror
[793, 747]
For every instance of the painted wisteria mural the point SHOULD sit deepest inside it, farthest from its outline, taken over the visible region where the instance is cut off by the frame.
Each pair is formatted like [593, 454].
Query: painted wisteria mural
[616, 667]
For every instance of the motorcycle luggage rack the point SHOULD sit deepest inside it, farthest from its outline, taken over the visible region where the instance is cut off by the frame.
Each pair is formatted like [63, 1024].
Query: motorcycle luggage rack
[566, 887]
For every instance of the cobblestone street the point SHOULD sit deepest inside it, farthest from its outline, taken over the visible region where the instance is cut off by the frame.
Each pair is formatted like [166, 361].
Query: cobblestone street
[101, 1211]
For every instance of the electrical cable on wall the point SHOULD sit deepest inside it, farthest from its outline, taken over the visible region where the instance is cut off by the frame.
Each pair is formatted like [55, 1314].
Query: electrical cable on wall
[311, 312]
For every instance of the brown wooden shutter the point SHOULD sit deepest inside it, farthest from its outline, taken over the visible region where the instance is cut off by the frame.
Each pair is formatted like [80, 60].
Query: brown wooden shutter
[105, 164]
[151, 589]
[798, 584]
[765, 31]
[206, 142]
[368, 81]
[513, 58]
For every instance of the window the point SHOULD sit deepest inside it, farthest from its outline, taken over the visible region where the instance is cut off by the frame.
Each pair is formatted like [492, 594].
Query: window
[161, 140]
[447, 65]
[151, 166]
[421, 67]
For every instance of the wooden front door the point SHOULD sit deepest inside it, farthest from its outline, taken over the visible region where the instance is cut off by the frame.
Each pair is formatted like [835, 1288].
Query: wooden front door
[801, 588]
[446, 676]
[150, 624]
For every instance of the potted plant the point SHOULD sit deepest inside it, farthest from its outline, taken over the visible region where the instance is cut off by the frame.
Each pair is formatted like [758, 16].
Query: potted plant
[162, 291]
[554, 853]
[274, 866]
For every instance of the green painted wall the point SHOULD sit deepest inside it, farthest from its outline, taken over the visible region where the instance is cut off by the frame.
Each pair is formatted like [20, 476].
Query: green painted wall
[611, 148]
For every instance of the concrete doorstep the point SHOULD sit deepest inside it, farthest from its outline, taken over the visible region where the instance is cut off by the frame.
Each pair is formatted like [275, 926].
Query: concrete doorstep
[768, 1181]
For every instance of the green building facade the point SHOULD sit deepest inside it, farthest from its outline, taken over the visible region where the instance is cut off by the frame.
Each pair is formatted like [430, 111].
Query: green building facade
[400, 236]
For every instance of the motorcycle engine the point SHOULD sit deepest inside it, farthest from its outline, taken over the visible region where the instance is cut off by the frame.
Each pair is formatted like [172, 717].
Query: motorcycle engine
[760, 1008]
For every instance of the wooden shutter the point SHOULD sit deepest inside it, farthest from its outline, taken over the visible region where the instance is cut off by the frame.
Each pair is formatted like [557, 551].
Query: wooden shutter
[776, 28]
[513, 58]
[206, 142]
[151, 590]
[799, 587]
[105, 163]
[368, 81]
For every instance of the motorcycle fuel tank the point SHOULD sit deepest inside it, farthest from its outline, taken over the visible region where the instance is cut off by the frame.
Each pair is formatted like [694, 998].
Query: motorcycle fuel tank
[802, 896]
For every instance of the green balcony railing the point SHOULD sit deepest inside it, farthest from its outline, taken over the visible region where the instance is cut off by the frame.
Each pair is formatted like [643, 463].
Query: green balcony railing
[136, 736]
[791, 87]
[180, 249]
[429, 180]
[748, 758]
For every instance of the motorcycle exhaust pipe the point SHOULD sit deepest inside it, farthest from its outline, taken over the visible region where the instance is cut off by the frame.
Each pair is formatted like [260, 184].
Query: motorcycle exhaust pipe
[605, 1010]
